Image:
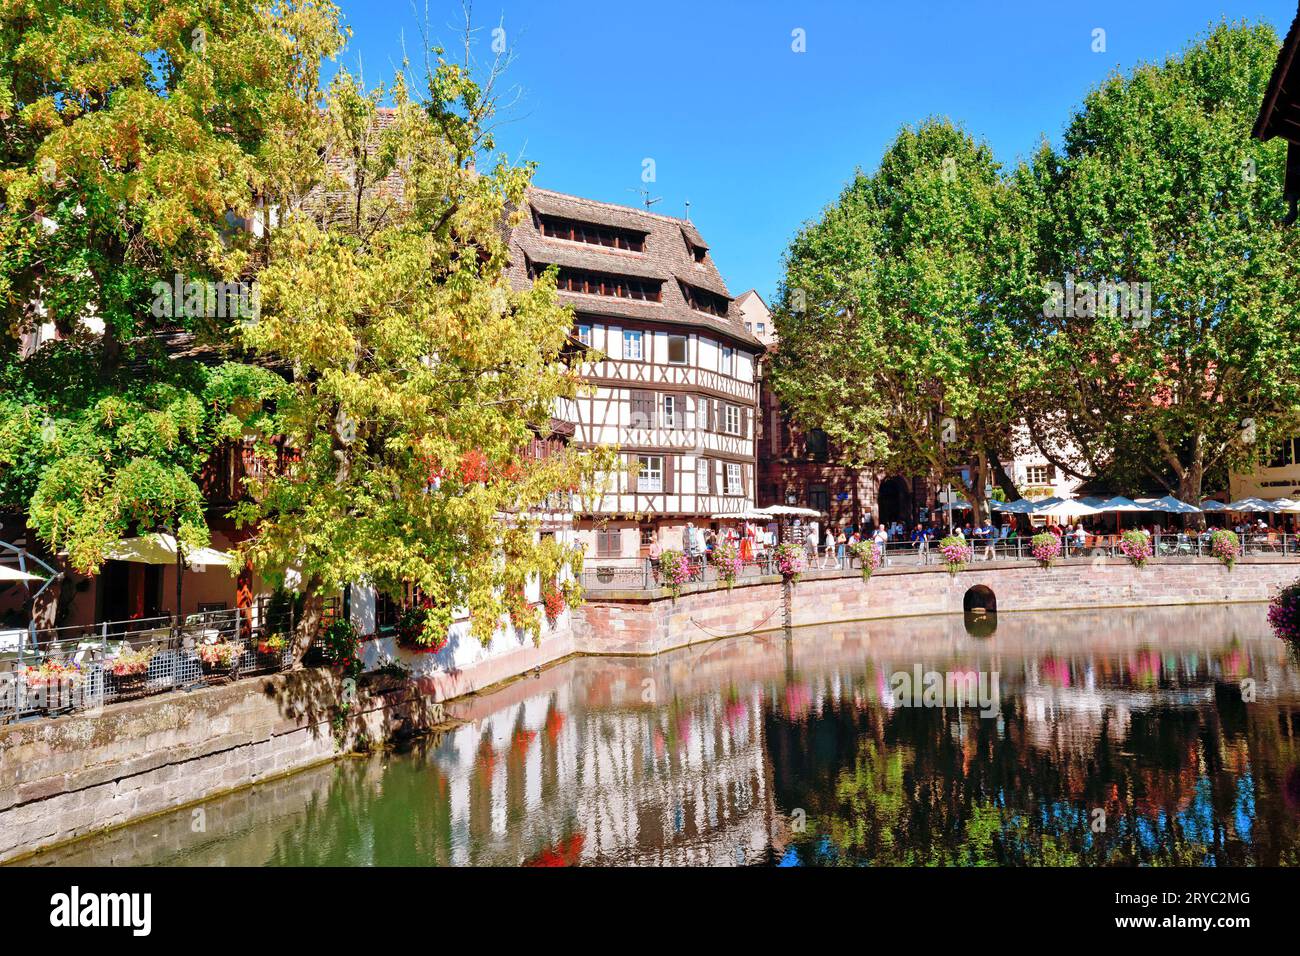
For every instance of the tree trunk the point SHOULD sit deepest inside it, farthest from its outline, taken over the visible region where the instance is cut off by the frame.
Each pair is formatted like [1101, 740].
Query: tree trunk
[313, 609]
[1189, 490]
[1003, 479]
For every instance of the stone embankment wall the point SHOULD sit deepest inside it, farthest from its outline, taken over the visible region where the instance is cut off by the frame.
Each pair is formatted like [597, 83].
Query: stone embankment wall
[66, 777]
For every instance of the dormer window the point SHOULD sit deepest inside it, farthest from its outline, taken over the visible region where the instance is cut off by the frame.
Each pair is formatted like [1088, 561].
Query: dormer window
[615, 286]
[572, 230]
[702, 300]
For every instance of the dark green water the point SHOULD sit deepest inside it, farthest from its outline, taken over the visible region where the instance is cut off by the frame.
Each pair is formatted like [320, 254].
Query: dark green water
[768, 750]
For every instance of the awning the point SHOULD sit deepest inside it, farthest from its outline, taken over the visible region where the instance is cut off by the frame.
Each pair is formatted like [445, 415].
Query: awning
[159, 548]
[788, 511]
[13, 574]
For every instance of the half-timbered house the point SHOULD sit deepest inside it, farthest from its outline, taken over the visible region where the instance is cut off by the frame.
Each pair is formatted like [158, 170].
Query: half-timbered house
[675, 385]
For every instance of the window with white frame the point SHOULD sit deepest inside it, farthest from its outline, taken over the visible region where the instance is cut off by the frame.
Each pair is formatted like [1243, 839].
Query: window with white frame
[701, 476]
[728, 360]
[731, 419]
[733, 479]
[584, 335]
[670, 412]
[1037, 475]
[650, 476]
[676, 350]
[633, 345]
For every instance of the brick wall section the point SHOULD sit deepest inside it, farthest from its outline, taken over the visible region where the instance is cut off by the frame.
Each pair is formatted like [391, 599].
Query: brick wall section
[64, 778]
[632, 623]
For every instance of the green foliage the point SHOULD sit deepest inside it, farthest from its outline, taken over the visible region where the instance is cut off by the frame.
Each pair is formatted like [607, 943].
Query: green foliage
[1159, 182]
[420, 375]
[894, 338]
[129, 134]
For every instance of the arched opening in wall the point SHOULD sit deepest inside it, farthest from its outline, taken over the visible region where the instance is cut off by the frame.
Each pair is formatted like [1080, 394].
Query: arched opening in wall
[980, 607]
[980, 598]
[895, 501]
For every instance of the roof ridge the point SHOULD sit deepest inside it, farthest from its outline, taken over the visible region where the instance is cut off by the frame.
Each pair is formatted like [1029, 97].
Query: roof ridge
[613, 205]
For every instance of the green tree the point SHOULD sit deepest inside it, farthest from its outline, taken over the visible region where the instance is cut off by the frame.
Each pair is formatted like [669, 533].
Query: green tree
[894, 334]
[131, 135]
[420, 376]
[1159, 186]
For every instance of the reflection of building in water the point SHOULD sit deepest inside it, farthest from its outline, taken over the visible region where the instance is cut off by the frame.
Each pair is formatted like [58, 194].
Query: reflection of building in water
[641, 785]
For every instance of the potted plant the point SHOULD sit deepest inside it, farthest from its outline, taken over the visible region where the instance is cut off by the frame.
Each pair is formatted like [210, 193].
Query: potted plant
[219, 660]
[340, 646]
[270, 651]
[55, 684]
[869, 557]
[1225, 546]
[129, 670]
[1046, 548]
[726, 558]
[1136, 546]
[956, 553]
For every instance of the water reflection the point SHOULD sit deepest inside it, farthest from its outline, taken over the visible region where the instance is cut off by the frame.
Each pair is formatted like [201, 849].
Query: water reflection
[793, 752]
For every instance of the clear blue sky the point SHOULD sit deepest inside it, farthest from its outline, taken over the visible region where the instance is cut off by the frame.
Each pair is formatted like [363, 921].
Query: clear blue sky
[760, 138]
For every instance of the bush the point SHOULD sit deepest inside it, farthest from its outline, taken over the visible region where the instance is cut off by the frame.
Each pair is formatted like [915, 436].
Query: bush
[340, 646]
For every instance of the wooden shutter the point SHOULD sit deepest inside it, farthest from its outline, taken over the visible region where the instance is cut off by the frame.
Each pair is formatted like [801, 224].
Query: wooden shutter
[670, 465]
[702, 413]
[744, 421]
[629, 479]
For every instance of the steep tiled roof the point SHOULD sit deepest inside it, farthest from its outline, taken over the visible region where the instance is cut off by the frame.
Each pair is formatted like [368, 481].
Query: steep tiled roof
[1279, 115]
[667, 256]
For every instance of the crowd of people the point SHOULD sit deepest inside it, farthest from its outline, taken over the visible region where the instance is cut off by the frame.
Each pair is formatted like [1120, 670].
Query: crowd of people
[828, 546]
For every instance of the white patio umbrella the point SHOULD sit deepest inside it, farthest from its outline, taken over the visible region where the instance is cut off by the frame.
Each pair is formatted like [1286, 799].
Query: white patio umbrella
[789, 511]
[1253, 506]
[741, 516]
[13, 574]
[1023, 506]
[1209, 504]
[1286, 506]
[1067, 508]
[160, 548]
[1121, 505]
[1173, 506]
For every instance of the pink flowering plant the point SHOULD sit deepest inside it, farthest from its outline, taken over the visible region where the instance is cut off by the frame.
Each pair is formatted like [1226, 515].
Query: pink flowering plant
[789, 560]
[726, 558]
[1284, 613]
[956, 553]
[869, 557]
[1045, 548]
[1136, 546]
[1225, 546]
[675, 569]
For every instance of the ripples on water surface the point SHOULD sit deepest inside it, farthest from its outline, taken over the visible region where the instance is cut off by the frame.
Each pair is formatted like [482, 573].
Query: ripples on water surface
[713, 754]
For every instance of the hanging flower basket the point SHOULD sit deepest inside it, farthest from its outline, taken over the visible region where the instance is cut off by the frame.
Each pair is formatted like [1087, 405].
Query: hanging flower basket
[1226, 546]
[270, 652]
[130, 671]
[1284, 613]
[789, 561]
[675, 571]
[956, 553]
[727, 560]
[1136, 546]
[553, 603]
[869, 557]
[1045, 548]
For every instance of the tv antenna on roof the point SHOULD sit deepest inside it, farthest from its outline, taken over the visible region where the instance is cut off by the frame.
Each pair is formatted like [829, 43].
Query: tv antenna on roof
[646, 199]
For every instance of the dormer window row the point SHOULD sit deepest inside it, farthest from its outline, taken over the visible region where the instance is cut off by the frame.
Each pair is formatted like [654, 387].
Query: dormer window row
[557, 227]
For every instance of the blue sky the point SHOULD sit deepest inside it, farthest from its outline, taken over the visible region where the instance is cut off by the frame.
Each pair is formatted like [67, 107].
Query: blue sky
[760, 138]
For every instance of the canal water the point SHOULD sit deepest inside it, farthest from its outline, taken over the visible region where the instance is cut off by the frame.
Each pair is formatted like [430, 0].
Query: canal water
[1150, 736]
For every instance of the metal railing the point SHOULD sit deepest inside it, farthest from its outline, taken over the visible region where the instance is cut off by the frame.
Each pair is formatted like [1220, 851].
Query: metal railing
[50, 671]
[643, 575]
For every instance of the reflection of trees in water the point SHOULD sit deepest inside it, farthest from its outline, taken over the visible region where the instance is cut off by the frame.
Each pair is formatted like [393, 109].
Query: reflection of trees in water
[1185, 786]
